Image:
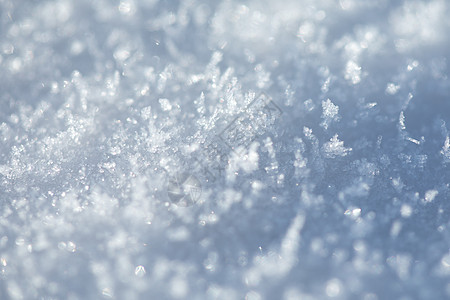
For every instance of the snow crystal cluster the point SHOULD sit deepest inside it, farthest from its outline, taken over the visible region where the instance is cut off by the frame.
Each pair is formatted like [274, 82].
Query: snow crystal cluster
[224, 149]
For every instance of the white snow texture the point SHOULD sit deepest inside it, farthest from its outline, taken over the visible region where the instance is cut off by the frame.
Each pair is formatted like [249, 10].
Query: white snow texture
[224, 149]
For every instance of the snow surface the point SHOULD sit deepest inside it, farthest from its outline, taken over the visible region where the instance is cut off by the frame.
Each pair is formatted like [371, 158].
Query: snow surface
[315, 135]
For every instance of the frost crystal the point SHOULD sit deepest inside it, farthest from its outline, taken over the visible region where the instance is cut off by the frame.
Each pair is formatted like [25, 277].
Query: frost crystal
[329, 114]
[392, 89]
[165, 104]
[335, 147]
[353, 72]
[446, 150]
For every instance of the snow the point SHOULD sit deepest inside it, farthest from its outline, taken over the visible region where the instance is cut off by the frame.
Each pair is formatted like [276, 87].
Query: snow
[224, 149]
